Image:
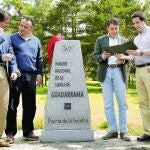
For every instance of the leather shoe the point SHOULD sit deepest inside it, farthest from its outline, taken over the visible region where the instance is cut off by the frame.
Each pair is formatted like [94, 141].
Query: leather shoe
[4, 144]
[10, 139]
[124, 137]
[143, 138]
[110, 135]
[31, 137]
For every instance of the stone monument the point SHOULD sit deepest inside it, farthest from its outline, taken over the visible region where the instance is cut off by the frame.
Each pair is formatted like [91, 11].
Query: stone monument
[67, 112]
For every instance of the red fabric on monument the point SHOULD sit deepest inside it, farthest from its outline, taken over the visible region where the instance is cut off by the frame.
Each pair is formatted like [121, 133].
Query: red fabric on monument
[51, 44]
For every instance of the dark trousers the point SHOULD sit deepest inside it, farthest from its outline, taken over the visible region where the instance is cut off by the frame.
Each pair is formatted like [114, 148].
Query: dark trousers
[25, 85]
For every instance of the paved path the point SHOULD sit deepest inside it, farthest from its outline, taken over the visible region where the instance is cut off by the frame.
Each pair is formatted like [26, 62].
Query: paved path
[98, 144]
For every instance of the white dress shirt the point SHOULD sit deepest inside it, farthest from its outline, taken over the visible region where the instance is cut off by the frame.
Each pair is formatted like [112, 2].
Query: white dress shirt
[112, 42]
[142, 41]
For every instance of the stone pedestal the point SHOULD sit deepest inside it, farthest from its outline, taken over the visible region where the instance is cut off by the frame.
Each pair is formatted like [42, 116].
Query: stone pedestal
[67, 112]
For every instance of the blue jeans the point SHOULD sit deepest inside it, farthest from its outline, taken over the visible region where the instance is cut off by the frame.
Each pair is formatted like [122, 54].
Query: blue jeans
[114, 83]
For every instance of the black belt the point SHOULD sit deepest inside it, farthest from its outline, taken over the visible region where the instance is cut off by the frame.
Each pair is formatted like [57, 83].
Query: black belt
[22, 71]
[114, 66]
[143, 65]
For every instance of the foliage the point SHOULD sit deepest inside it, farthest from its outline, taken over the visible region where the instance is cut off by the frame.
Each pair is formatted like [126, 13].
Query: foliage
[83, 20]
[95, 18]
[103, 125]
[34, 10]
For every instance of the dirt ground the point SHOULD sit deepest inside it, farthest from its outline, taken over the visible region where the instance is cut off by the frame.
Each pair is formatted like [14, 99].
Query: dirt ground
[97, 144]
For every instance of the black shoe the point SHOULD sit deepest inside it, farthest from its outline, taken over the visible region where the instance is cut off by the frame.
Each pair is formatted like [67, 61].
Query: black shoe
[31, 137]
[110, 135]
[124, 137]
[10, 139]
[143, 138]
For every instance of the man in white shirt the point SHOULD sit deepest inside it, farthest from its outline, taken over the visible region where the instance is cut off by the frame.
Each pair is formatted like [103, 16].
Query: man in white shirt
[141, 58]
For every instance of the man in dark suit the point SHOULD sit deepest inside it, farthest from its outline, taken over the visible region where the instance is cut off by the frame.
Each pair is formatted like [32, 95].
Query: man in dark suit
[112, 75]
[7, 66]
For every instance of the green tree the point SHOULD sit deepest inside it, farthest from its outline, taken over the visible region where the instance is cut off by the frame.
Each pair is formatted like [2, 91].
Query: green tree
[84, 20]
[65, 18]
[96, 15]
[34, 10]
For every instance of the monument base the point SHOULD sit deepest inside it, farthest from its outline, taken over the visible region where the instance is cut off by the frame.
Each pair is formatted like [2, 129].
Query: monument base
[67, 135]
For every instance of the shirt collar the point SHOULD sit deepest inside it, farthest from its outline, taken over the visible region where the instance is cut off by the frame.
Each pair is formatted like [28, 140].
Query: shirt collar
[27, 38]
[145, 29]
[1, 30]
[117, 37]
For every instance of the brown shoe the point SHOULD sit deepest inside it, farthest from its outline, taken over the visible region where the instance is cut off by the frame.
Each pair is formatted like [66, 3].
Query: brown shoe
[110, 135]
[124, 137]
[31, 137]
[4, 144]
[10, 139]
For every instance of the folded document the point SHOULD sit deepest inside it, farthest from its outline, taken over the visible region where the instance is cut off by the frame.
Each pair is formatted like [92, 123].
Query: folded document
[120, 48]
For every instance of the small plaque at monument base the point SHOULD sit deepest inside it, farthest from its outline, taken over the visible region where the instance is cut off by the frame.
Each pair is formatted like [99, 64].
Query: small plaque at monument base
[67, 111]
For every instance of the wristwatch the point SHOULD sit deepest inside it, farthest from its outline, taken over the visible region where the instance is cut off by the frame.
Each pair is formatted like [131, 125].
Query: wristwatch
[141, 53]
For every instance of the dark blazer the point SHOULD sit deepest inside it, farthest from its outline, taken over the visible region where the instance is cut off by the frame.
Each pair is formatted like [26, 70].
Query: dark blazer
[103, 64]
[6, 47]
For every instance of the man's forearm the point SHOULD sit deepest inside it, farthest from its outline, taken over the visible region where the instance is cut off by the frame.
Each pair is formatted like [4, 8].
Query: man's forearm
[146, 52]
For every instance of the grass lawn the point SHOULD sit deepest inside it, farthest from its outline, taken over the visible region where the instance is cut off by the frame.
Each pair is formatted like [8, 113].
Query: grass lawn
[98, 120]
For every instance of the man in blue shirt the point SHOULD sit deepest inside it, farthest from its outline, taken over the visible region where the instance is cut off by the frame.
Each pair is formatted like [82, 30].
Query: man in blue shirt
[28, 52]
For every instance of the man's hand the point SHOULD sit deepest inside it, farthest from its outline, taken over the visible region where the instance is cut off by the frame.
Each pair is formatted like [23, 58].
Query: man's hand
[39, 80]
[106, 55]
[120, 58]
[18, 73]
[13, 76]
[134, 52]
[7, 57]
[125, 57]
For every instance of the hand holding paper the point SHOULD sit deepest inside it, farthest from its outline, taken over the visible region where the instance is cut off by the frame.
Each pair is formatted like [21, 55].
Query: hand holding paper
[106, 55]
